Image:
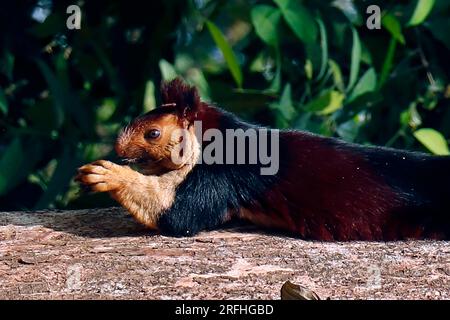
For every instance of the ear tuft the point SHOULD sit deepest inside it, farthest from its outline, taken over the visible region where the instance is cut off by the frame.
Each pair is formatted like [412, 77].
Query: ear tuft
[185, 97]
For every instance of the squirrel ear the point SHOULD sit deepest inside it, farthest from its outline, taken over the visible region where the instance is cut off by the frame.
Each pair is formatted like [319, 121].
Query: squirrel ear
[184, 97]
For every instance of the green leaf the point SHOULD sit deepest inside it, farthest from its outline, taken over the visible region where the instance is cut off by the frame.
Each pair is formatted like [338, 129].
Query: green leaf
[388, 62]
[391, 24]
[355, 59]
[54, 24]
[149, 102]
[337, 75]
[299, 19]
[265, 20]
[433, 140]
[57, 90]
[348, 130]
[227, 52]
[196, 77]
[421, 12]
[42, 116]
[323, 47]
[167, 70]
[11, 172]
[3, 102]
[275, 86]
[366, 55]
[7, 64]
[244, 102]
[349, 9]
[439, 29]
[326, 103]
[65, 169]
[66, 103]
[308, 69]
[259, 63]
[411, 117]
[106, 109]
[105, 61]
[367, 83]
[285, 105]
[361, 103]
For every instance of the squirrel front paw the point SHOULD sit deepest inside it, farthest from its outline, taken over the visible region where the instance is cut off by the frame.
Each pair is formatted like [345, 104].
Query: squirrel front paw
[103, 176]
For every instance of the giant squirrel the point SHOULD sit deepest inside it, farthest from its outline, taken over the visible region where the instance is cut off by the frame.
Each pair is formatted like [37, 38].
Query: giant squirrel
[325, 188]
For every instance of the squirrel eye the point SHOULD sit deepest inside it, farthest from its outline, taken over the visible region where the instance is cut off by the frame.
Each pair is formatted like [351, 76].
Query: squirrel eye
[152, 134]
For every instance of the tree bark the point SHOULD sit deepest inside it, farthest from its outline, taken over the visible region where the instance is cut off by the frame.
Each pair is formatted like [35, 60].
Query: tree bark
[104, 254]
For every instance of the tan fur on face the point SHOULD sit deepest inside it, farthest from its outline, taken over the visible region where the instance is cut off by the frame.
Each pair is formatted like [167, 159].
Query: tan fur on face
[146, 197]
[132, 143]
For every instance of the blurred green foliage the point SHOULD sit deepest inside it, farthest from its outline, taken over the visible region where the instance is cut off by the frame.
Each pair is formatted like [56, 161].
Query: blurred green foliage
[309, 65]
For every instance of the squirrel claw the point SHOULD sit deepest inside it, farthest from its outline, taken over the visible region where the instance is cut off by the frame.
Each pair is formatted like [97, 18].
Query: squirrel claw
[100, 176]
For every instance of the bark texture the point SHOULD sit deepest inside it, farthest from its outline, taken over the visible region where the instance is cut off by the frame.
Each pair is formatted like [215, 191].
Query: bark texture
[104, 254]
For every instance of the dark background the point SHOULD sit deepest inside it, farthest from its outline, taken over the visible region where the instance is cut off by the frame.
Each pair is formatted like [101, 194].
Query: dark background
[310, 65]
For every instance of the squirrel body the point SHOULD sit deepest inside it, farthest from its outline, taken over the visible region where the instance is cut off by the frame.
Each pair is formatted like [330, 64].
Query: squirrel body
[325, 188]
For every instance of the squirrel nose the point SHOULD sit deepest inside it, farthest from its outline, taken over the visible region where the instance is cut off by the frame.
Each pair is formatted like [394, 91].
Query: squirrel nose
[119, 149]
[121, 143]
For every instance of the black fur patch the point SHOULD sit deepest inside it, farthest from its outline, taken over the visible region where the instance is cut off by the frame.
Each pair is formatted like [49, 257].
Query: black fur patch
[211, 190]
[421, 180]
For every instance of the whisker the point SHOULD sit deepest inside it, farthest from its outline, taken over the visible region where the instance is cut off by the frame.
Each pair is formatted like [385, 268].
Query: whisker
[129, 160]
[169, 104]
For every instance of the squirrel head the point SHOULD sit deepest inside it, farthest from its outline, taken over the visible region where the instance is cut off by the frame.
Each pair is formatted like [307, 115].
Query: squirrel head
[164, 136]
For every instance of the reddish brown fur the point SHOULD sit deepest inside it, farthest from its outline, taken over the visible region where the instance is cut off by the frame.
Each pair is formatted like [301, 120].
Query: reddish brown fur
[338, 196]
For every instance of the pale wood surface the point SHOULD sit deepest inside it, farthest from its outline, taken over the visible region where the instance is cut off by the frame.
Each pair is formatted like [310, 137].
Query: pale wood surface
[103, 253]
